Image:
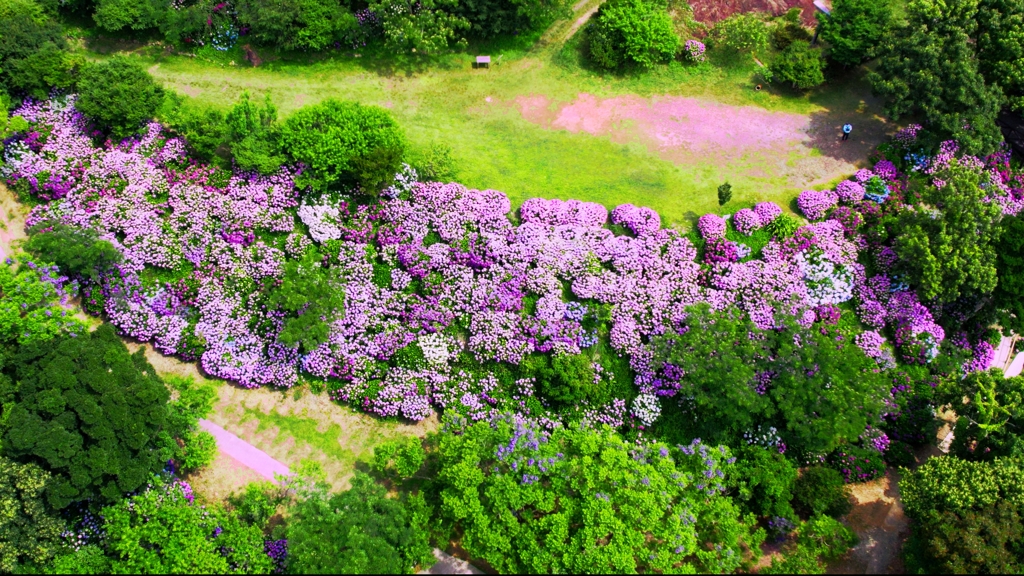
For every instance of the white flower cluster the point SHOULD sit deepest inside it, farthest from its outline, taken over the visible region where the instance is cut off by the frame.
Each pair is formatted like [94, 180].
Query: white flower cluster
[826, 282]
[404, 182]
[435, 348]
[322, 221]
[646, 408]
[765, 438]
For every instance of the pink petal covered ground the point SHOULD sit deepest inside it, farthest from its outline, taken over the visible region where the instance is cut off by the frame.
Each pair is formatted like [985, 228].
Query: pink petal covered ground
[697, 126]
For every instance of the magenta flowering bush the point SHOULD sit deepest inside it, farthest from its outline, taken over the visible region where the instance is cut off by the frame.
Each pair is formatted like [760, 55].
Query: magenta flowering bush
[747, 221]
[556, 212]
[815, 205]
[641, 221]
[711, 226]
[850, 191]
[767, 212]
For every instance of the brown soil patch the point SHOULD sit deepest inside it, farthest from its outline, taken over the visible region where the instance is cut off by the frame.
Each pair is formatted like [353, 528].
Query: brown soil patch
[12, 222]
[879, 522]
[222, 478]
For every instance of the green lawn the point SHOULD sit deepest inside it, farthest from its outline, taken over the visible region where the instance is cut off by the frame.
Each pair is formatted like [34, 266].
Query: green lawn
[494, 146]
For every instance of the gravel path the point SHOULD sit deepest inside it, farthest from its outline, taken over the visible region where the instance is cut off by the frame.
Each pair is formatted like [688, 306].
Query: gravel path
[244, 452]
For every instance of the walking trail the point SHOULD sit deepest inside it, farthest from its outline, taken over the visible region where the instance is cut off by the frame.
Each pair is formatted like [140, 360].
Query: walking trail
[254, 458]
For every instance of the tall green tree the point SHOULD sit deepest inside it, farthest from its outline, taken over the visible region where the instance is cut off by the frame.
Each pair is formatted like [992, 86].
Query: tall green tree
[1008, 297]
[345, 142]
[991, 424]
[115, 15]
[800, 65]
[309, 25]
[946, 243]
[493, 18]
[632, 33]
[585, 500]
[29, 532]
[254, 135]
[854, 29]
[88, 412]
[1000, 42]
[359, 531]
[119, 95]
[928, 67]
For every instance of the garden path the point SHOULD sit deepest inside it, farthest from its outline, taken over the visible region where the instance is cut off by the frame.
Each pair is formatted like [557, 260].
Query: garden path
[256, 459]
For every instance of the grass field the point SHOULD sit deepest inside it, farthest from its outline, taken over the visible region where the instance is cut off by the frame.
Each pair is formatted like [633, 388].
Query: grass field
[475, 113]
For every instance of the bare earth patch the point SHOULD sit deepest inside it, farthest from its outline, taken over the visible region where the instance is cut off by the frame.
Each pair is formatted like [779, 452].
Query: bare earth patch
[879, 522]
[805, 149]
[222, 478]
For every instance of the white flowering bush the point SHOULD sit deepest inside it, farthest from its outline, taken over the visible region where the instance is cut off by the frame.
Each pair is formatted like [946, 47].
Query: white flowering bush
[827, 283]
[646, 408]
[322, 220]
[435, 348]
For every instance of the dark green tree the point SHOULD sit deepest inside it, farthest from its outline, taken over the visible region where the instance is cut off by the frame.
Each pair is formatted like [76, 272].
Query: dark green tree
[29, 533]
[763, 482]
[26, 33]
[1000, 42]
[854, 29]
[987, 541]
[345, 141]
[312, 300]
[88, 412]
[359, 531]
[493, 18]
[78, 252]
[565, 379]
[420, 26]
[115, 15]
[253, 134]
[48, 68]
[946, 243]
[119, 95]
[742, 33]
[202, 126]
[821, 490]
[929, 68]
[29, 308]
[308, 25]
[724, 194]
[991, 424]
[632, 33]
[800, 65]
[1008, 297]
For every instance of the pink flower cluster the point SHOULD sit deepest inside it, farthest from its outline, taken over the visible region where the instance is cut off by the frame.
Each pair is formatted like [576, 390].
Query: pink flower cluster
[815, 205]
[640, 221]
[746, 221]
[711, 226]
[556, 212]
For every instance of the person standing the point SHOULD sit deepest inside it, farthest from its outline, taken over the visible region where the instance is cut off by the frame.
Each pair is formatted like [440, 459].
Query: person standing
[847, 128]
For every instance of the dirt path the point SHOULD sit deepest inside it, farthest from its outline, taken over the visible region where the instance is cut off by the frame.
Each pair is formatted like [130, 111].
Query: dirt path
[249, 455]
[879, 522]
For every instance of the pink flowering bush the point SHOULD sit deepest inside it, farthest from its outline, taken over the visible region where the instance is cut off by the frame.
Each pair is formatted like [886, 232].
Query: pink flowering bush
[815, 205]
[850, 191]
[711, 226]
[641, 221]
[563, 212]
[767, 212]
[747, 221]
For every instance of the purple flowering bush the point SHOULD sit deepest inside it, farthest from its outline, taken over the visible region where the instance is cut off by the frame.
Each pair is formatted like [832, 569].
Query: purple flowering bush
[747, 221]
[711, 226]
[815, 205]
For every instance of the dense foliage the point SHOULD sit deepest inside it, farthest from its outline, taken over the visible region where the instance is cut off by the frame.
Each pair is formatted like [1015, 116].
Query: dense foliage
[294, 24]
[1008, 297]
[584, 500]
[88, 412]
[854, 29]
[929, 68]
[632, 33]
[118, 95]
[800, 65]
[30, 534]
[345, 142]
[359, 531]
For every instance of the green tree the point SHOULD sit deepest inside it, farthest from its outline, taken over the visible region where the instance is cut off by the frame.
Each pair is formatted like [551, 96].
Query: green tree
[163, 531]
[1008, 297]
[1000, 42]
[399, 458]
[253, 135]
[29, 533]
[493, 18]
[77, 252]
[29, 307]
[821, 490]
[854, 29]
[742, 33]
[816, 541]
[632, 33]
[991, 423]
[48, 68]
[946, 243]
[197, 448]
[312, 300]
[987, 541]
[202, 126]
[26, 32]
[724, 194]
[420, 26]
[584, 500]
[929, 68]
[119, 95]
[565, 379]
[115, 15]
[359, 531]
[345, 141]
[763, 482]
[86, 411]
[294, 24]
[800, 65]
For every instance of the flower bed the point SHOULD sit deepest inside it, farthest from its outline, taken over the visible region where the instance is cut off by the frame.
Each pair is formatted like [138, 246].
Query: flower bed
[441, 288]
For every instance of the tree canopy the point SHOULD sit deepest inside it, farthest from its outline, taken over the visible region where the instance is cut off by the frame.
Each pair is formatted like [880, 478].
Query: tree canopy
[854, 29]
[29, 532]
[86, 411]
[118, 95]
[632, 33]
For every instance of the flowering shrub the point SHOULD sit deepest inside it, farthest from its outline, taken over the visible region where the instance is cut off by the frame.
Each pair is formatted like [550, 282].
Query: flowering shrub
[815, 205]
[767, 212]
[695, 50]
[563, 212]
[711, 226]
[747, 221]
[850, 191]
[641, 221]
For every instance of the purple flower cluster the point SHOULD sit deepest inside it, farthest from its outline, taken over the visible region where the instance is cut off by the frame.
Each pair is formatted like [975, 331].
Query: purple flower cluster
[277, 550]
[695, 50]
[564, 212]
[815, 205]
[711, 226]
[767, 212]
[747, 221]
[641, 221]
[850, 191]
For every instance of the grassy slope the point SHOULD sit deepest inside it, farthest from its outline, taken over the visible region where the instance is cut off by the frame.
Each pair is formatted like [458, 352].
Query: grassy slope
[494, 146]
